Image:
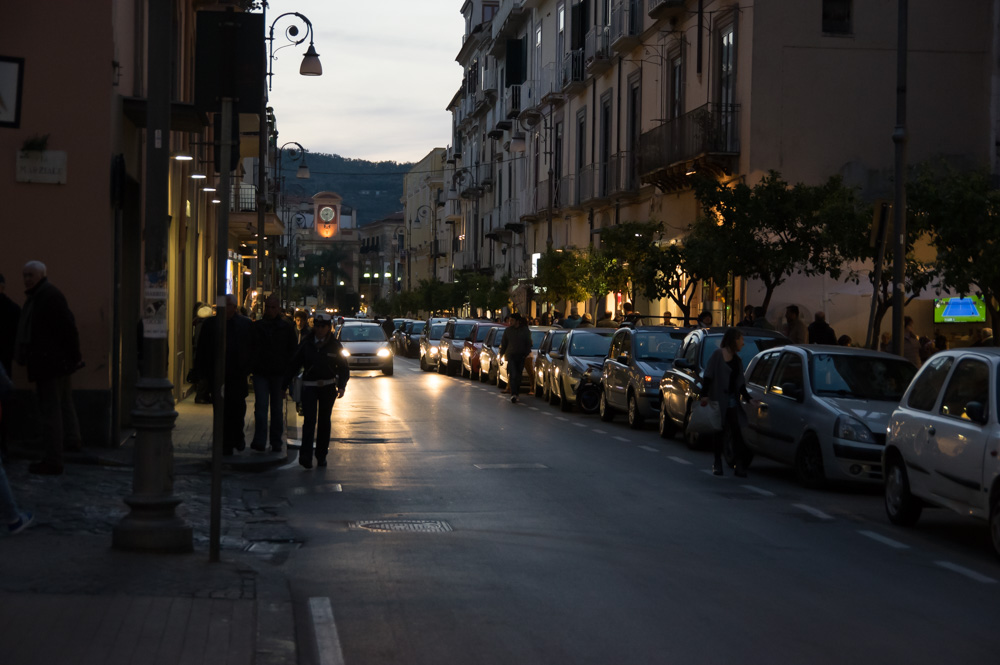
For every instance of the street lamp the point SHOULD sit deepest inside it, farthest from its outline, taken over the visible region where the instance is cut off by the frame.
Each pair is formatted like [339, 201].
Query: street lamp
[302, 172]
[528, 121]
[310, 66]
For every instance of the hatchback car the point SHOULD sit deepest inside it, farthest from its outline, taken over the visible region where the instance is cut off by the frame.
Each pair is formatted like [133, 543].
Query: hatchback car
[537, 335]
[474, 346]
[408, 339]
[451, 344]
[630, 376]
[579, 352]
[429, 338]
[365, 346]
[543, 363]
[824, 409]
[942, 445]
[397, 339]
[681, 383]
[489, 355]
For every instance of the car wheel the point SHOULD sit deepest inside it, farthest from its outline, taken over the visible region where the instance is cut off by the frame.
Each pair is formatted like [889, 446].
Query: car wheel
[635, 419]
[809, 462]
[588, 399]
[423, 364]
[605, 409]
[902, 508]
[564, 404]
[995, 521]
[550, 394]
[387, 371]
[483, 377]
[491, 377]
[667, 427]
[449, 368]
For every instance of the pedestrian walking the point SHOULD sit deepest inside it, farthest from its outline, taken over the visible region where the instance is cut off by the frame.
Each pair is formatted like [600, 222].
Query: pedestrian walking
[605, 320]
[10, 313]
[388, 326]
[820, 331]
[911, 343]
[324, 378]
[48, 345]
[302, 325]
[273, 348]
[239, 357]
[17, 520]
[724, 384]
[794, 328]
[515, 345]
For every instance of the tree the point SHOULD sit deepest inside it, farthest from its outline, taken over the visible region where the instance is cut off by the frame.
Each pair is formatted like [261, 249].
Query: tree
[671, 276]
[961, 211]
[560, 274]
[486, 294]
[631, 255]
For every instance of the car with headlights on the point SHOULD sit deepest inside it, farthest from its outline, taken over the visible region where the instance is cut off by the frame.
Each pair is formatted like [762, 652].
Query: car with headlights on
[473, 347]
[943, 444]
[537, 335]
[452, 343]
[631, 373]
[489, 355]
[543, 363]
[682, 382]
[581, 351]
[365, 346]
[429, 338]
[823, 409]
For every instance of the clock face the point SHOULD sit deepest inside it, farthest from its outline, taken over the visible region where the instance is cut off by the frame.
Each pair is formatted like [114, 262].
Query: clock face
[326, 214]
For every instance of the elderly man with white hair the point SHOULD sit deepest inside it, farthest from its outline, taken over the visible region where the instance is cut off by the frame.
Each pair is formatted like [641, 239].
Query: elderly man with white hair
[48, 345]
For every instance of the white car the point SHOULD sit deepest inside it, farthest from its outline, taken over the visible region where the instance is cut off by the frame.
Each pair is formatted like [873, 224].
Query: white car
[944, 440]
[365, 346]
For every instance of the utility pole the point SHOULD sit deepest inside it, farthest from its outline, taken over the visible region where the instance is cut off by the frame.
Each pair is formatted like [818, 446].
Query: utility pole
[899, 200]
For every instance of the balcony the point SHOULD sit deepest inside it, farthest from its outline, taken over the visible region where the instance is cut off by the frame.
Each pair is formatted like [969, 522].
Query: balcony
[623, 175]
[592, 183]
[573, 73]
[515, 99]
[657, 9]
[597, 50]
[567, 196]
[509, 17]
[705, 139]
[626, 24]
[542, 203]
[549, 88]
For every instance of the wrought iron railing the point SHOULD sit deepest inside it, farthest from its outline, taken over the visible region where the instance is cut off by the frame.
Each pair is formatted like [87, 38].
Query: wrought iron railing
[708, 129]
[573, 71]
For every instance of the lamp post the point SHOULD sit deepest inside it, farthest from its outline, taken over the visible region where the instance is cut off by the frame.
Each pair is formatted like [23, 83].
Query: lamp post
[301, 173]
[528, 121]
[310, 66]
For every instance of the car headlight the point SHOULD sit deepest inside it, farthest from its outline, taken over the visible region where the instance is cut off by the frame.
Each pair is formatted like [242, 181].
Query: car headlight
[433, 351]
[850, 428]
[466, 353]
[345, 353]
[383, 353]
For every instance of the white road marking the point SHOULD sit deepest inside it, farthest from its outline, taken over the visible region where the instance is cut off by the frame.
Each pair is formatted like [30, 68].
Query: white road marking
[580, 424]
[565, 420]
[679, 460]
[961, 570]
[708, 471]
[815, 512]
[623, 439]
[414, 369]
[650, 449]
[533, 408]
[885, 541]
[546, 413]
[327, 639]
[598, 431]
[757, 490]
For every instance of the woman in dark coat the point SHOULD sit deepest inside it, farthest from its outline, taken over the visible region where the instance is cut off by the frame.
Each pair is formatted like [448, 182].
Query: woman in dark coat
[725, 385]
[324, 377]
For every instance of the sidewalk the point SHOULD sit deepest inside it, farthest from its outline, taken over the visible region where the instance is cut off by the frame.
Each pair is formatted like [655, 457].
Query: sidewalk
[67, 597]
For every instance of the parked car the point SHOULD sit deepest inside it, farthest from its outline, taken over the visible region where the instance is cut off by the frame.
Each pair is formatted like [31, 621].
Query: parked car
[631, 373]
[474, 346]
[942, 444]
[579, 352]
[365, 346]
[451, 344]
[824, 409]
[681, 383]
[489, 355]
[396, 339]
[543, 364]
[408, 338]
[429, 338]
[537, 335]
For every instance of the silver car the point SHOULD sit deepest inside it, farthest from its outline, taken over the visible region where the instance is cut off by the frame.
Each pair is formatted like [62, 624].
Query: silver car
[942, 447]
[581, 351]
[823, 409]
[543, 362]
[365, 346]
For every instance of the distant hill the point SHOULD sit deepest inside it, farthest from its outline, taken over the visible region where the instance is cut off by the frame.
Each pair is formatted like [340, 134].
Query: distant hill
[372, 188]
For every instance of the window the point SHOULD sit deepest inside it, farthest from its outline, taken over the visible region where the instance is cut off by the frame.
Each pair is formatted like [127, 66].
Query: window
[489, 11]
[837, 17]
[762, 370]
[675, 86]
[581, 140]
[969, 383]
[789, 371]
[928, 384]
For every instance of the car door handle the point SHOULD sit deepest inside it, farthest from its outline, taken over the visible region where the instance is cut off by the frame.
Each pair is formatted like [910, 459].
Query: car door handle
[930, 430]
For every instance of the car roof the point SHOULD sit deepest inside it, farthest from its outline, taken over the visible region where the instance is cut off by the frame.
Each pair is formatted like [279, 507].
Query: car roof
[837, 350]
[747, 331]
[358, 322]
[537, 328]
[465, 321]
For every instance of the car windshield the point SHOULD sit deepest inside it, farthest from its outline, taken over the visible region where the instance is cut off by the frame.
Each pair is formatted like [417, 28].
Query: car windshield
[362, 334]
[590, 344]
[656, 346]
[462, 330]
[437, 329]
[751, 347]
[536, 338]
[418, 326]
[482, 333]
[863, 377]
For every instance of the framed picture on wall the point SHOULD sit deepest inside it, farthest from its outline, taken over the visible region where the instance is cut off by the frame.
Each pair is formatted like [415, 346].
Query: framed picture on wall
[11, 82]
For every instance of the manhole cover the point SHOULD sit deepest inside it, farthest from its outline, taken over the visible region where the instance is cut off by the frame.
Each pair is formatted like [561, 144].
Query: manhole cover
[424, 526]
[510, 466]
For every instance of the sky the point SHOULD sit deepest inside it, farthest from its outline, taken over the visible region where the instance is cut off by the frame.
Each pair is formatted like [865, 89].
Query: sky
[389, 72]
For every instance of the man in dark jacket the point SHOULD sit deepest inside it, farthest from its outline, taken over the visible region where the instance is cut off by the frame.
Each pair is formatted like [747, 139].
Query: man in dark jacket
[48, 344]
[274, 344]
[10, 313]
[324, 378]
[515, 345]
[239, 355]
[820, 331]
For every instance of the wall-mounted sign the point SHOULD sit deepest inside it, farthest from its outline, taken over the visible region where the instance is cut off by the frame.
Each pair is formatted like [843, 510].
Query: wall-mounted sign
[41, 166]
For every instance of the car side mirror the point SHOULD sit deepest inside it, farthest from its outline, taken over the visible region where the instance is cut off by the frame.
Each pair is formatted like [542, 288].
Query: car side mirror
[791, 390]
[976, 412]
[623, 359]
